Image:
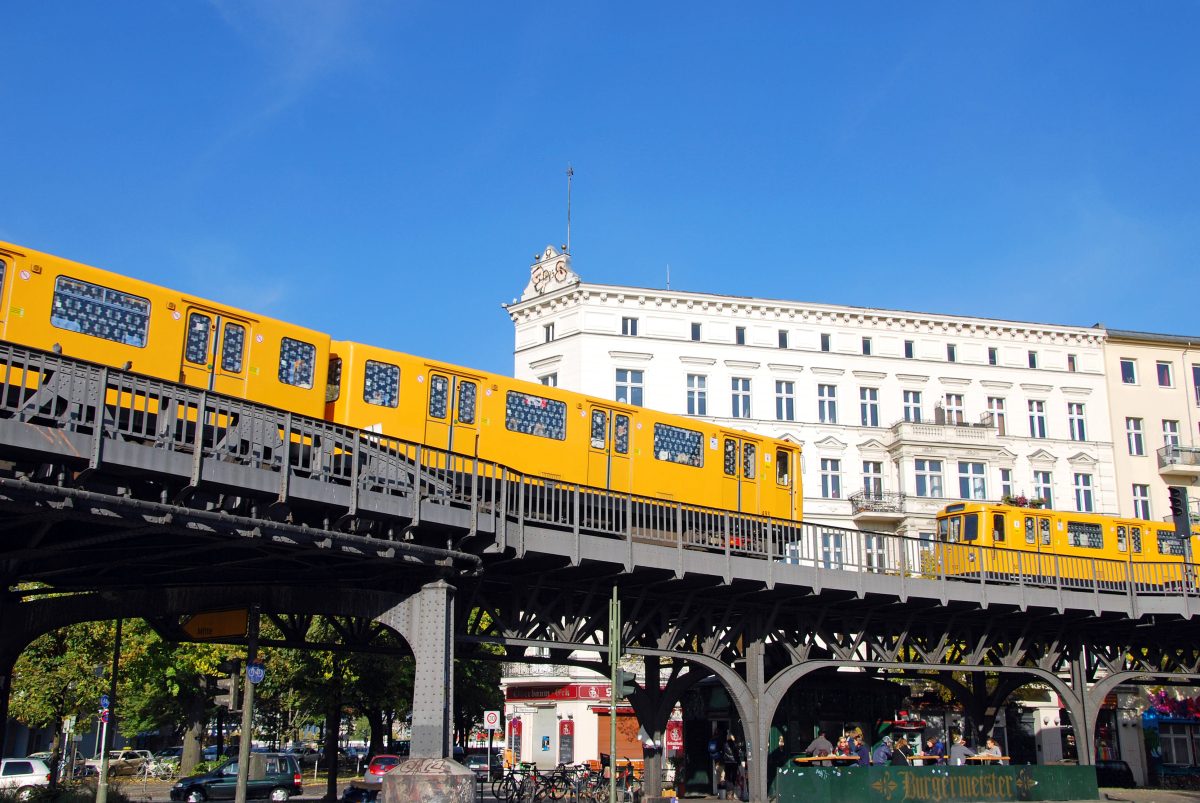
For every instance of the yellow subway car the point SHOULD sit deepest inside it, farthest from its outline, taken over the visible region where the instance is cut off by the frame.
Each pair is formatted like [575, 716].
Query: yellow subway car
[560, 435]
[1057, 546]
[91, 314]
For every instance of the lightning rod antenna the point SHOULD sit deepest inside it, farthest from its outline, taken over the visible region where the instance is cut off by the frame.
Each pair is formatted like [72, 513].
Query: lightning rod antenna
[570, 174]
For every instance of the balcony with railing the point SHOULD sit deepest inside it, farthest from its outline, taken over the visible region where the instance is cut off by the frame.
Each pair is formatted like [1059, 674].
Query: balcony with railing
[1179, 460]
[877, 506]
[943, 430]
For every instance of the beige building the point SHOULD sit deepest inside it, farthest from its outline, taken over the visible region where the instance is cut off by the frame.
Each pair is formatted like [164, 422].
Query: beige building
[1154, 393]
[898, 412]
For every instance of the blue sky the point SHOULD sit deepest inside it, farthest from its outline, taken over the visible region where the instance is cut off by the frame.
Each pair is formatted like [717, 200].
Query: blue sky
[385, 171]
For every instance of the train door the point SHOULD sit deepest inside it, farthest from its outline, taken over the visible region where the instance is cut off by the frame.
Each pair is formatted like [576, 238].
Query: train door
[452, 412]
[739, 478]
[786, 502]
[608, 449]
[214, 351]
[1038, 540]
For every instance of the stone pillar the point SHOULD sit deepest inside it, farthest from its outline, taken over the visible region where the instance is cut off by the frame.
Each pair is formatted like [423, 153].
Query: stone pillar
[426, 620]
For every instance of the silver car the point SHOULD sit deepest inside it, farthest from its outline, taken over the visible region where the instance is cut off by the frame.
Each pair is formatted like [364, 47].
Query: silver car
[24, 775]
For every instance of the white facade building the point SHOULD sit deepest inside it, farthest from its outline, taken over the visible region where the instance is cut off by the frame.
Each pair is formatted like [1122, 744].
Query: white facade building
[897, 412]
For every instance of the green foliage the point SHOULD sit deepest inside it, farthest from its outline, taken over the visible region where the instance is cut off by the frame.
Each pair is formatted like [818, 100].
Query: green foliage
[56, 675]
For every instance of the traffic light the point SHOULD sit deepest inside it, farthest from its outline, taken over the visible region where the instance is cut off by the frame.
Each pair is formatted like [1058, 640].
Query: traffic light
[625, 685]
[228, 686]
[1178, 498]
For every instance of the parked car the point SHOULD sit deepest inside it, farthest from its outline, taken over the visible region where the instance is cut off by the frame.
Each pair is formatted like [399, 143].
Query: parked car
[380, 766]
[124, 762]
[1114, 773]
[478, 761]
[305, 754]
[272, 775]
[172, 755]
[24, 775]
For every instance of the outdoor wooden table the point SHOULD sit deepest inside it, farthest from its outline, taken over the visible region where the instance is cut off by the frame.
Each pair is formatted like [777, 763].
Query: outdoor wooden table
[840, 761]
[982, 759]
[931, 758]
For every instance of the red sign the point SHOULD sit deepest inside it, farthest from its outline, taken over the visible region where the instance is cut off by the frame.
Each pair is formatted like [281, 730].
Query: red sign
[570, 691]
[673, 738]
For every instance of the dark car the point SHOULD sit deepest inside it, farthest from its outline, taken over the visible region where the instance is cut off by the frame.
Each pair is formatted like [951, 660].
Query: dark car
[272, 775]
[1114, 773]
[478, 761]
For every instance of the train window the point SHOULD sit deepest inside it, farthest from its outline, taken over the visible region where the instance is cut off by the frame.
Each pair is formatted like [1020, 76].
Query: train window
[782, 469]
[599, 429]
[466, 402]
[1030, 535]
[535, 415]
[232, 344]
[1135, 537]
[2, 267]
[971, 527]
[297, 362]
[678, 445]
[1044, 527]
[621, 434]
[953, 529]
[439, 396]
[196, 348]
[381, 384]
[998, 531]
[731, 457]
[333, 385]
[1168, 544]
[749, 461]
[943, 529]
[1082, 534]
[90, 309]
[1120, 538]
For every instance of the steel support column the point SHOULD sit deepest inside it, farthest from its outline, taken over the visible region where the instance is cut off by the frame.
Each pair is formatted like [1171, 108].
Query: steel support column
[426, 620]
[757, 725]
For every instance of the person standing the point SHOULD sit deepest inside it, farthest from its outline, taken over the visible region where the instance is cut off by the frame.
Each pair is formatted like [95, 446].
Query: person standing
[731, 758]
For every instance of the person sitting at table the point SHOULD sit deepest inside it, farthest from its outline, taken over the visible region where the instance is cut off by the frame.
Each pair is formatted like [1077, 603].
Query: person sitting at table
[939, 749]
[861, 749]
[819, 746]
[959, 752]
[883, 751]
[843, 747]
[992, 748]
[899, 752]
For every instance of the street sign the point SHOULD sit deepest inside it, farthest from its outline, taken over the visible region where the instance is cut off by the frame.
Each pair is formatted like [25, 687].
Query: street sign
[104, 701]
[255, 672]
[104, 715]
[491, 720]
[216, 624]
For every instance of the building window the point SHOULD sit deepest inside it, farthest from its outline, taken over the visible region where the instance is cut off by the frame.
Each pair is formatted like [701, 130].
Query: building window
[740, 403]
[831, 549]
[1006, 483]
[1043, 487]
[549, 380]
[908, 349]
[739, 335]
[869, 405]
[1164, 375]
[993, 355]
[1133, 436]
[1075, 420]
[1083, 493]
[1033, 359]
[1170, 434]
[783, 338]
[547, 332]
[873, 479]
[1037, 419]
[954, 409]
[996, 411]
[695, 331]
[1141, 502]
[912, 406]
[1196, 383]
[951, 352]
[1072, 363]
[697, 394]
[831, 478]
[1129, 372]
[629, 327]
[827, 404]
[825, 345]
[929, 478]
[866, 346]
[971, 482]
[629, 387]
[785, 401]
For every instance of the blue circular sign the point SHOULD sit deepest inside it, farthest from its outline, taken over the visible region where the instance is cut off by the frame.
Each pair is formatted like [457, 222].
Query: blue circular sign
[255, 672]
[104, 701]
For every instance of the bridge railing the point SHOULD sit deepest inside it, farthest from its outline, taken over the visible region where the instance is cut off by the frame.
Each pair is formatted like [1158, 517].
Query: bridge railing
[110, 413]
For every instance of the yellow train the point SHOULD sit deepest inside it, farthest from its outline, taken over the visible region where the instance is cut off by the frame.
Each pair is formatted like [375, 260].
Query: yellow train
[102, 317]
[1054, 546]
